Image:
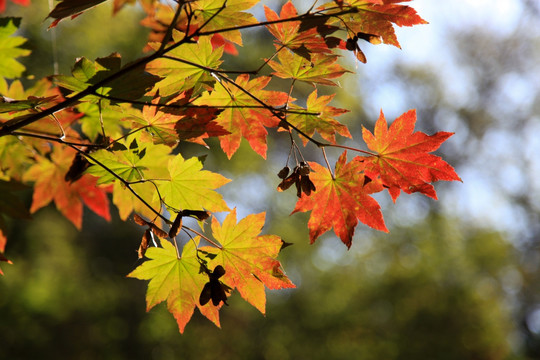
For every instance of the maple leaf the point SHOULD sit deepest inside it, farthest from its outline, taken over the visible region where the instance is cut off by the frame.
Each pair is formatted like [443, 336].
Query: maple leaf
[177, 121]
[86, 73]
[9, 48]
[179, 281]
[249, 259]
[186, 66]
[403, 161]
[70, 8]
[160, 124]
[297, 36]
[190, 187]
[20, 2]
[243, 115]
[50, 184]
[222, 14]
[319, 69]
[341, 201]
[377, 16]
[94, 116]
[318, 116]
[198, 124]
[137, 163]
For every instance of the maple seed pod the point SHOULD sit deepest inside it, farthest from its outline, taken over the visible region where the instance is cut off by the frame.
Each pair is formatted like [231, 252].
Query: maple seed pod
[176, 226]
[373, 39]
[146, 239]
[283, 173]
[307, 185]
[157, 231]
[214, 289]
[199, 214]
[304, 169]
[298, 184]
[139, 220]
[287, 183]
[351, 44]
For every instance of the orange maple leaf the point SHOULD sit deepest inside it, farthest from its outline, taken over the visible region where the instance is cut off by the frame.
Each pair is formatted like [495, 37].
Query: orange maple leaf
[243, 116]
[403, 161]
[50, 184]
[340, 201]
[377, 17]
[301, 37]
[249, 259]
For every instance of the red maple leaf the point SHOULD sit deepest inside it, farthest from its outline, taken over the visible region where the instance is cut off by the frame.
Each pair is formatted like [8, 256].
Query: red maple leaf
[20, 2]
[403, 161]
[50, 184]
[341, 200]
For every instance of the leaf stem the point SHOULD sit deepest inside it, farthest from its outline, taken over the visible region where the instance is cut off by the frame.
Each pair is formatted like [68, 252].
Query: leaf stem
[327, 163]
[212, 242]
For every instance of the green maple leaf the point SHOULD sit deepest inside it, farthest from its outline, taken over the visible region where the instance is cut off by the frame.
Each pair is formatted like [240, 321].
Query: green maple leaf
[222, 14]
[178, 281]
[239, 117]
[318, 116]
[9, 48]
[249, 259]
[86, 73]
[137, 163]
[185, 66]
[319, 69]
[111, 117]
[190, 187]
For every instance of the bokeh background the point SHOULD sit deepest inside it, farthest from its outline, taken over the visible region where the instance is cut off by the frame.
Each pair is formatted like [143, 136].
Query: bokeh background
[457, 278]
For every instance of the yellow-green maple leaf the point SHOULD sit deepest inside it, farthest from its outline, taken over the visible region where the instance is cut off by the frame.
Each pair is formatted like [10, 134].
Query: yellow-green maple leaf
[179, 281]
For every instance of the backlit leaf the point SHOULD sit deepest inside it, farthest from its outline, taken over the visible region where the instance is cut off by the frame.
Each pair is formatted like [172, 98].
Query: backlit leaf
[342, 201]
[186, 66]
[243, 116]
[10, 48]
[403, 161]
[297, 36]
[189, 187]
[178, 281]
[318, 116]
[378, 17]
[249, 259]
[50, 185]
[319, 70]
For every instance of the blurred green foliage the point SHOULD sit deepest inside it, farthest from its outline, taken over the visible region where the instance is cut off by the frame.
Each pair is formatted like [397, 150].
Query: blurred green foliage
[431, 289]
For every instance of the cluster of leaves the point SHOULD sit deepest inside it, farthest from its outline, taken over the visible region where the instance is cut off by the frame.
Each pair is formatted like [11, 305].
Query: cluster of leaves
[109, 130]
